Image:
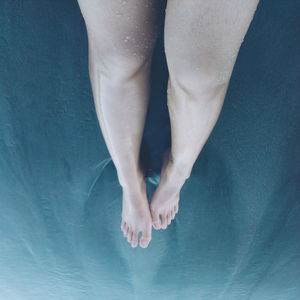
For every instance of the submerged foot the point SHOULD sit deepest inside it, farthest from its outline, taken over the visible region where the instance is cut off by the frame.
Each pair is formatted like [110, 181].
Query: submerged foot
[165, 201]
[136, 217]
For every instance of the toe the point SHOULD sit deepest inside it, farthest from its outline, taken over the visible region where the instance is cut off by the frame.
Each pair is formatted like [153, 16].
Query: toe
[163, 221]
[156, 225]
[123, 225]
[129, 236]
[169, 218]
[134, 240]
[126, 230]
[156, 221]
[172, 214]
[176, 208]
[145, 238]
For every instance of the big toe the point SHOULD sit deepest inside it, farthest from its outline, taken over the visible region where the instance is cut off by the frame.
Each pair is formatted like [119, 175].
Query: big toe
[145, 238]
[156, 221]
[164, 221]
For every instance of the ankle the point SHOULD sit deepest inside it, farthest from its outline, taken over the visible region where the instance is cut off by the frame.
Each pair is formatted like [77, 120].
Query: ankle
[177, 171]
[131, 180]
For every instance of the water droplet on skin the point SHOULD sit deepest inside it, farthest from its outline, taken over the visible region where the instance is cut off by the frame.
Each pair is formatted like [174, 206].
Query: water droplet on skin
[127, 38]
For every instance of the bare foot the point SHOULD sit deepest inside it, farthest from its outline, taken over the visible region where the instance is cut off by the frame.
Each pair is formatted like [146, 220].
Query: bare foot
[136, 215]
[165, 201]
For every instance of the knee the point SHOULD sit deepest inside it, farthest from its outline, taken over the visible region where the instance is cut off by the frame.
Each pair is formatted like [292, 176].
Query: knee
[128, 69]
[120, 68]
[199, 76]
[198, 84]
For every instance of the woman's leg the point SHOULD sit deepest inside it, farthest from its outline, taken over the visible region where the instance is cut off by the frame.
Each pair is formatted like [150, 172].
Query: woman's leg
[121, 36]
[202, 40]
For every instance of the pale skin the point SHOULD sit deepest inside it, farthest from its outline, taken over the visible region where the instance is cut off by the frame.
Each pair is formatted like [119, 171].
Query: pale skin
[202, 40]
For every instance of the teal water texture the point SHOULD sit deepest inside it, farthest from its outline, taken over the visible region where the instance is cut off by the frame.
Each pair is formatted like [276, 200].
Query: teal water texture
[237, 235]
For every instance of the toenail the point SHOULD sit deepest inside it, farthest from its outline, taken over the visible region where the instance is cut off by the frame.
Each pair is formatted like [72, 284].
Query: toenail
[144, 244]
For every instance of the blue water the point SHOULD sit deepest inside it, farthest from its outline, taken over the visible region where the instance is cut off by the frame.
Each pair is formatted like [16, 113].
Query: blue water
[237, 235]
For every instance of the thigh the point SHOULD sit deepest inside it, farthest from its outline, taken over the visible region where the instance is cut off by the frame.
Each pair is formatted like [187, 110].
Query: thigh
[120, 30]
[204, 36]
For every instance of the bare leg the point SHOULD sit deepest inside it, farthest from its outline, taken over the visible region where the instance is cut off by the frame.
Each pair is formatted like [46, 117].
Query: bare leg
[121, 37]
[202, 40]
